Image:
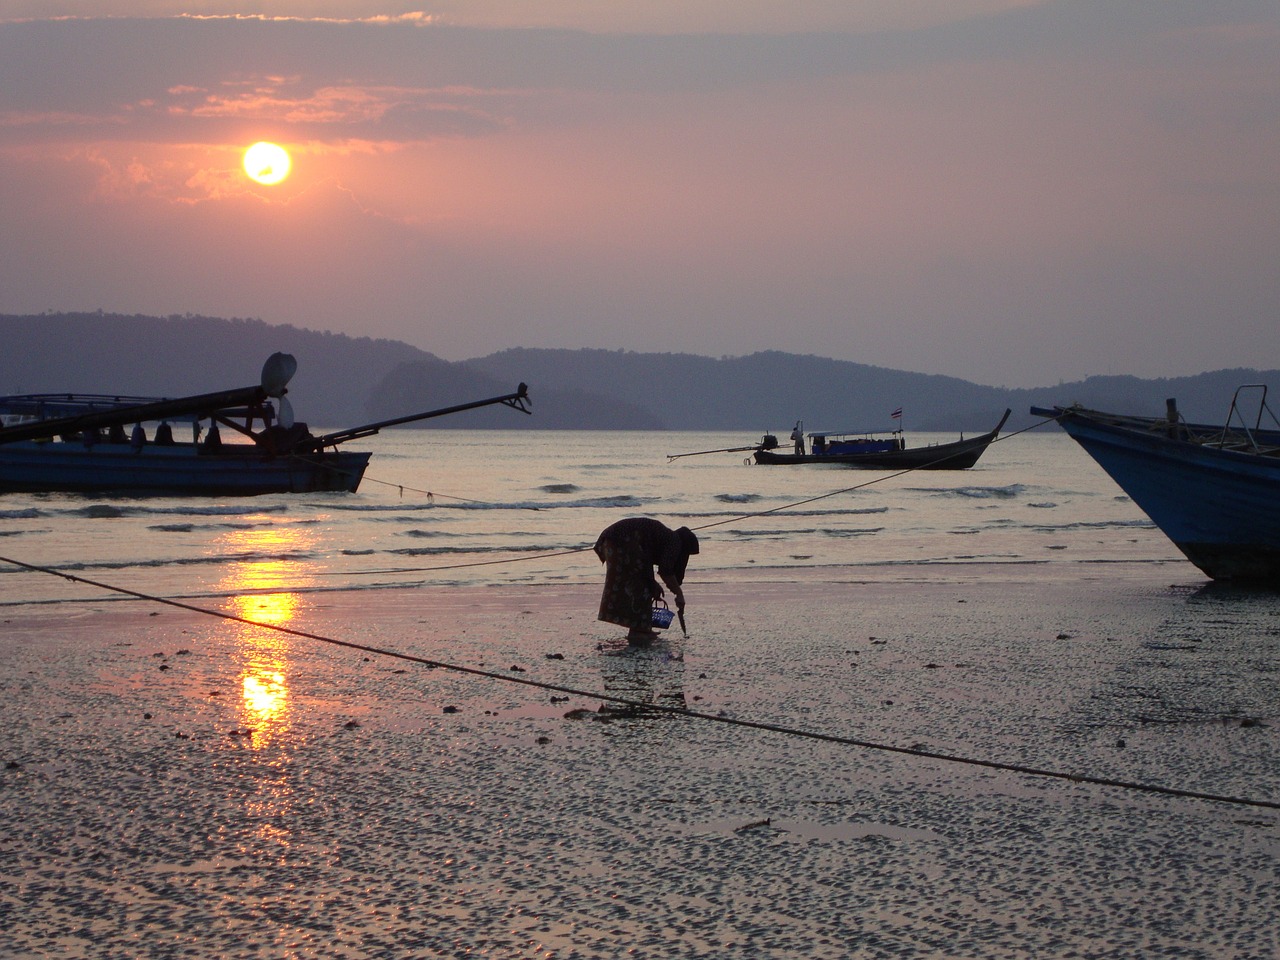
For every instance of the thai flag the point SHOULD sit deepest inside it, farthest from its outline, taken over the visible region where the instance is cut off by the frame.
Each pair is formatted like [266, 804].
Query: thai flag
[897, 414]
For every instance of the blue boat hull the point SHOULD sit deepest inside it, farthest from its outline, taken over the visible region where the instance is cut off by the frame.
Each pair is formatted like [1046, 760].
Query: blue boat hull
[179, 470]
[1217, 506]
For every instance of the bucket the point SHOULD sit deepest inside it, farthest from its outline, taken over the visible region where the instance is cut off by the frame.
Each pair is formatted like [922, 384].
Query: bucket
[662, 615]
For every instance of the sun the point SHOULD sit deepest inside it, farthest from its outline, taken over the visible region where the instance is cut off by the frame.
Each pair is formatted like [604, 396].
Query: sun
[266, 163]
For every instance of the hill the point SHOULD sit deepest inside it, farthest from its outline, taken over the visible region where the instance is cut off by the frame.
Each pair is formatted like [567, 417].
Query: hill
[768, 392]
[345, 381]
[341, 381]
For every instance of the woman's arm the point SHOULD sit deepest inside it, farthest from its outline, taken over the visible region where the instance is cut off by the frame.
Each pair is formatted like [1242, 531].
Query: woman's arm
[673, 587]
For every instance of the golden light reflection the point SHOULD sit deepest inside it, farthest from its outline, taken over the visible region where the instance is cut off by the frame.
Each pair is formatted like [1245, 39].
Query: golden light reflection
[265, 588]
[276, 608]
[265, 694]
[267, 568]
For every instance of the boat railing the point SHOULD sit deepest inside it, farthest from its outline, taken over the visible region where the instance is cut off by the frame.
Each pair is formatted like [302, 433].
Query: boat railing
[1231, 435]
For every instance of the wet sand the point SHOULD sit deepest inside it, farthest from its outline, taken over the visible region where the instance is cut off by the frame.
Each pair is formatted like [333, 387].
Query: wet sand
[173, 785]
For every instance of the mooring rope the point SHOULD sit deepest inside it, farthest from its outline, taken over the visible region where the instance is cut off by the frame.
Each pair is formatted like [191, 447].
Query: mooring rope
[683, 712]
[431, 495]
[857, 486]
[736, 518]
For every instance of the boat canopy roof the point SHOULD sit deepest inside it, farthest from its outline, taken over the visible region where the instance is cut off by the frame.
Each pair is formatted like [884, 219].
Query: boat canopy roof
[56, 406]
[855, 433]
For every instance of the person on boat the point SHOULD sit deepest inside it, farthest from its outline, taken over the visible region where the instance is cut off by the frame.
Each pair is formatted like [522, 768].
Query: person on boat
[213, 441]
[138, 439]
[797, 437]
[164, 434]
[116, 434]
[630, 549]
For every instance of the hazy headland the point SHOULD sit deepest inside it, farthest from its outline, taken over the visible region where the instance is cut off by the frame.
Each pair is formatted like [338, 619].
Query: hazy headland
[344, 380]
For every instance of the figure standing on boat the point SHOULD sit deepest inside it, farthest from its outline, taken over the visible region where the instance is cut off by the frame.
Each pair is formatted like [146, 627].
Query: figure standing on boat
[797, 437]
[630, 549]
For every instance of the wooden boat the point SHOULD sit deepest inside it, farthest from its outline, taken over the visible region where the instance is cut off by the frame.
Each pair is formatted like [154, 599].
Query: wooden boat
[1210, 489]
[78, 443]
[879, 451]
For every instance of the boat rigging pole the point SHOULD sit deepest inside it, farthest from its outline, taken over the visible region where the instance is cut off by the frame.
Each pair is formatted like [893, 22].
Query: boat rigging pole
[697, 453]
[515, 400]
[205, 403]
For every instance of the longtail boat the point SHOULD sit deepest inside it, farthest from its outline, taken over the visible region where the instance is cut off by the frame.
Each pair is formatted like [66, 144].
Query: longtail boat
[1210, 488]
[877, 450]
[91, 443]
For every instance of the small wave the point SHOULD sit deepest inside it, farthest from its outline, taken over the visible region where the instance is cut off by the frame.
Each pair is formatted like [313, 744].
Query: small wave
[560, 488]
[623, 500]
[454, 551]
[30, 513]
[784, 512]
[987, 493]
[379, 507]
[113, 510]
[758, 532]
[1137, 524]
[102, 511]
[403, 512]
[738, 497]
[189, 527]
[796, 531]
[154, 562]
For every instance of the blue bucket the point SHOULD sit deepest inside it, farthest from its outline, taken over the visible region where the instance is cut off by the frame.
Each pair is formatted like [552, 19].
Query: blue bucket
[662, 615]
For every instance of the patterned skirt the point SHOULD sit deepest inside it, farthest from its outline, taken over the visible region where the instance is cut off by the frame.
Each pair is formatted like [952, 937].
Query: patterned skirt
[627, 599]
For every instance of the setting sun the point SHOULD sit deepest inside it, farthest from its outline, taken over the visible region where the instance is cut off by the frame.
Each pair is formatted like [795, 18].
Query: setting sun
[267, 163]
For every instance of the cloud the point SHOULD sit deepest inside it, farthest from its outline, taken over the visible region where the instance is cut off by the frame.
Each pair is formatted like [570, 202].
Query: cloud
[598, 16]
[973, 196]
[318, 74]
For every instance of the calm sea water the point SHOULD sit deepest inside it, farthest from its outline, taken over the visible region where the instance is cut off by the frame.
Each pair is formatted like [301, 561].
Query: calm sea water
[191, 786]
[499, 507]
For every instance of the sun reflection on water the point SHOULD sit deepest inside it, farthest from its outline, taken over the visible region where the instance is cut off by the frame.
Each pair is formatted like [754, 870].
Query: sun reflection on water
[265, 695]
[265, 581]
[265, 591]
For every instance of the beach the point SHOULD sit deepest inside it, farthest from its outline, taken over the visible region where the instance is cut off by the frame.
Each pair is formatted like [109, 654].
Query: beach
[181, 785]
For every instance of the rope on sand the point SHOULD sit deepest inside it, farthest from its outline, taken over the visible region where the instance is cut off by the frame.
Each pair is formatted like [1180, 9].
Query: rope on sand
[683, 712]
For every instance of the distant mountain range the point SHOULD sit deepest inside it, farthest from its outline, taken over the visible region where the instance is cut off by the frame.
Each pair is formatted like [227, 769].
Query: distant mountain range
[345, 381]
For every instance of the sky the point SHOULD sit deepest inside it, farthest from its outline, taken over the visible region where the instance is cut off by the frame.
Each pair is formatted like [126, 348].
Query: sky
[1014, 192]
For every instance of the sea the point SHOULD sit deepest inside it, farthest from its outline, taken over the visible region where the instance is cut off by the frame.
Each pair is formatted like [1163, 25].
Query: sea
[988, 714]
[493, 508]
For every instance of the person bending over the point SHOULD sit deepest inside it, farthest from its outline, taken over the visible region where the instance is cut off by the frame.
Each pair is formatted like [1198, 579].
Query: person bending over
[630, 550]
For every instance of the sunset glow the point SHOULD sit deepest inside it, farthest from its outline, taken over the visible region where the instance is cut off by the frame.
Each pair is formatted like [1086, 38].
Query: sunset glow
[267, 163]
[1013, 192]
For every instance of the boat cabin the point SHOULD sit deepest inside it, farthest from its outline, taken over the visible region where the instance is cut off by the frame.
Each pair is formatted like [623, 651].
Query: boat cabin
[830, 443]
[36, 408]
